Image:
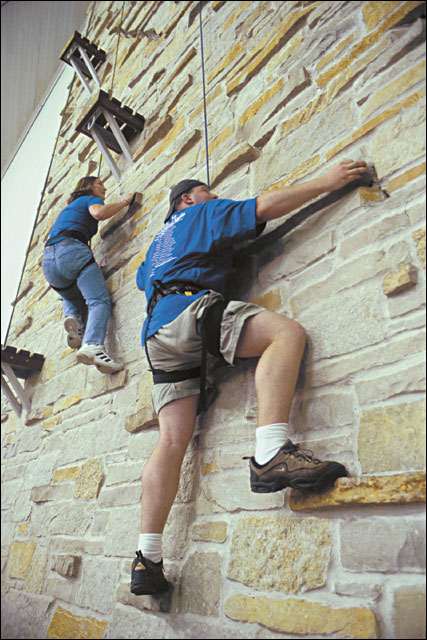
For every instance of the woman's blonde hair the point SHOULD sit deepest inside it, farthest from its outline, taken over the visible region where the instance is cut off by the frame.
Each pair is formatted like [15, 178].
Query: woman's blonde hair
[83, 188]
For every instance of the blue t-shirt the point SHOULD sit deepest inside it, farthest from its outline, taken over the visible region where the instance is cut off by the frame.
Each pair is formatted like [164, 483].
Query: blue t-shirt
[76, 216]
[196, 245]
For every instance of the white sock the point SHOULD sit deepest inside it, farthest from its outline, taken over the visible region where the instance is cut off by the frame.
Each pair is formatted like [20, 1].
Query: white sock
[150, 544]
[269, 439]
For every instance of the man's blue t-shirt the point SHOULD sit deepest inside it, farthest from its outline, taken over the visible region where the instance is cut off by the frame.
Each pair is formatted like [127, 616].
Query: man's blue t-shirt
[196, 245]
[76, 216]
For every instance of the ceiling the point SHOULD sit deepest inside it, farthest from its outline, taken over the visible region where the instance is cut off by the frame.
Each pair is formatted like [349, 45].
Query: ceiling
[32, 37]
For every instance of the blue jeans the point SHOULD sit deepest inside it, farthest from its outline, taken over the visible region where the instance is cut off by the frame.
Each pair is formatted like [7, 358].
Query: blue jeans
[89, 296]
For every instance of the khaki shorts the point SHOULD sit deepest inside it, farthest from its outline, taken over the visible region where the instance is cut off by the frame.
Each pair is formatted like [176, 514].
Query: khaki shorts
[178, 346]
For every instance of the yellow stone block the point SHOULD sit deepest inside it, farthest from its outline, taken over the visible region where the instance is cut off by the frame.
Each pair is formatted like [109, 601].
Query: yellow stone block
[65, 624]
[233, 17]
[167, 140]
[405, 177]
[271, 300]
[220, 138]
[20, 557]
[235, 51]
[394, 88]
[420, 240]
[50, 423]
[210, 532]
[209, 467]
[374, 12]
[408, 102]
[66, 403]
[366, 42]
[199, 109]
[89, 480]
[302, 617]
[65, 474]
[301, 171]
[260, 102]
[402, 488]
[22, 528]
[328, 57]
[401, 280]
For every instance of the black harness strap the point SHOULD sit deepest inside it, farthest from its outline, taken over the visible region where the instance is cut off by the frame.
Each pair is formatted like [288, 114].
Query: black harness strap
[210, 331]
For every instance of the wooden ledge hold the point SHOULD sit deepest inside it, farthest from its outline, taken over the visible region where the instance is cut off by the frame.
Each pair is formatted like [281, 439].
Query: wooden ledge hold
[71, 49]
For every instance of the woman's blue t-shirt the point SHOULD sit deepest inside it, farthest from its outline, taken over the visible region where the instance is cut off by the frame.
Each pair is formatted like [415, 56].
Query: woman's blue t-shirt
[76, 216]
[196, 245]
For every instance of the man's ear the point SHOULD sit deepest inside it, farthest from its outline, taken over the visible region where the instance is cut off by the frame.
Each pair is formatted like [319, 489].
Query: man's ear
[187, 198]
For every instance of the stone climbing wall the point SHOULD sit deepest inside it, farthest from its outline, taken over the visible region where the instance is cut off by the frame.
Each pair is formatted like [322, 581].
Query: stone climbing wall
[293, 87]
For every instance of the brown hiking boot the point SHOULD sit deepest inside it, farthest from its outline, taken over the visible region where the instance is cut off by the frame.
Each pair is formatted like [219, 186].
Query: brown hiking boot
[147, 576]
[296, 468]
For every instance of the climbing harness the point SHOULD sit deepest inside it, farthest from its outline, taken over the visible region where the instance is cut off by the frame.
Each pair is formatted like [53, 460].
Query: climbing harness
[209, 326]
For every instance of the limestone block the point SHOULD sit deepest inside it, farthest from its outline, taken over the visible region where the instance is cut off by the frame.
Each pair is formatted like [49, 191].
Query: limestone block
[107, 383]
[34, 581]
[210, 531]
[65, 624]
[404, 178]
[402, 488]
[47, 493]
[383, 545]
[69, 546]
[20, 558]
[98, 584]
[359, 589]
[67, 566]
[119, 539]
[302, 617]
[367, 235]
[201, 590]
[325, 411]
[123, 472]
[16, 621]
[176, 532]
[127, 622]
[89, 481]
[39, 414]
[67, 519]
[119, 496]
[420, 240]
[396, 281]
[23, 326]
[409, 612]
[392, 438]
[280, 553]
[143, 603]
[65, 474]
[239, 156]
[65, 403]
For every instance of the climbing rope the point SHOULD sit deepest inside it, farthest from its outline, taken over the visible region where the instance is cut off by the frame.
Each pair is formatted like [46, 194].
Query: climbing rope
[202, 54]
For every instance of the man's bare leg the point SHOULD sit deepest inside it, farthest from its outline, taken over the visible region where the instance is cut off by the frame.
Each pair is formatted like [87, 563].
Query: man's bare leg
[160, 478]
[280, 344]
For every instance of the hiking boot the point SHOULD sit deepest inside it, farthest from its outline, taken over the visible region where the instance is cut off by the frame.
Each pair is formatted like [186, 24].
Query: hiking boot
[95, 354]
[296, 468]
[147, 576]
[75, 331]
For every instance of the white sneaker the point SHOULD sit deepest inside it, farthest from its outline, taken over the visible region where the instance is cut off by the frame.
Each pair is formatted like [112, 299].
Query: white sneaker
[74, 332]
[95, 354]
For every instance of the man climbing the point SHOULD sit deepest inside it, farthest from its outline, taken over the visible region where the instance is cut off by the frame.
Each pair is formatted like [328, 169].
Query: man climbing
[184, 279]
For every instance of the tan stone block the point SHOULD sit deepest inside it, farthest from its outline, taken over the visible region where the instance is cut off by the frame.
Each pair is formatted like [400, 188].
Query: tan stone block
[201, 590]
[210, 532]
[371, 124]
[65, 403]
[302, 170]
[405, 177]
[302, 617]
[89, 481]
[258, 104]
[401, 280]
[67, 565]
[39, 414]
[235, 54]
[65, 624]
[394, 88]
[22, 528]
[23, 326]
[392, 438]
[374, 12]
[210, 467]
[298, 553]
[20, 557]
[65, 474]
[107, 383]
[401, 488]
[420, 240]
[409, 612]
[271, 300]
[167, 140]
[239, 156]
[332, 55]
[219, 139]
[34, 581]
[51, 423]
[272, 43]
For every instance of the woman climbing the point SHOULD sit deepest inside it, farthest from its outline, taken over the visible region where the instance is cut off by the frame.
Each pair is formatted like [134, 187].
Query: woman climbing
[70, 269]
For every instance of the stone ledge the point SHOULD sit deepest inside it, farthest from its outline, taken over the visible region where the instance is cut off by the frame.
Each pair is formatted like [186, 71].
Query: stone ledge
[401, 488]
